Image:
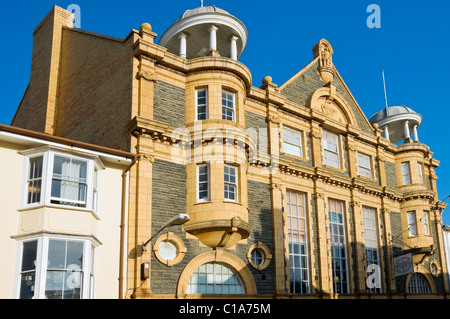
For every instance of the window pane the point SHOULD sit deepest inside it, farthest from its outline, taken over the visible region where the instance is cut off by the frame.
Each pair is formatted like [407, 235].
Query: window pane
[73, 284]
[29, 255]
[59, 163]
[74, 254]
[27, 285]
[56, 254]
[167, 250]
[54, 284]
[215, 278]
[64, 274]
[78, 170]
[35, 180]
[406, 173]
[36, 167]
[203, 182]
[411, 216]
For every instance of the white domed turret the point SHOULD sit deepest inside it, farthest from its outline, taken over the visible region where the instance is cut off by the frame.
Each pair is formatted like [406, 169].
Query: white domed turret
[206, 30]
[398, 122]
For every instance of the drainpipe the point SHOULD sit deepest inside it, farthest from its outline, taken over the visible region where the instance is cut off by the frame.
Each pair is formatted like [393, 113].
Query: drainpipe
[122, 223]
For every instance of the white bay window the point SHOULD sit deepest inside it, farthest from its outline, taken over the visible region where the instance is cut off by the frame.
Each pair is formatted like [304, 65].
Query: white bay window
[53, 267]
[54, 177]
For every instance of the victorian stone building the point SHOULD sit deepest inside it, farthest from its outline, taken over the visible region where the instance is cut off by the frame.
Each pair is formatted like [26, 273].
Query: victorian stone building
[291, 191]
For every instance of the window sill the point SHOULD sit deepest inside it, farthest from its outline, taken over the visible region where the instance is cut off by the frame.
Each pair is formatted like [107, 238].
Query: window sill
[341, 170]
[304, 159]
[62, 207]
[371, 179]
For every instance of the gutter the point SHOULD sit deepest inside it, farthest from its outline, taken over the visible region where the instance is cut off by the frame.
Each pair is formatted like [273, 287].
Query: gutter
[63, 140]
[122, 224]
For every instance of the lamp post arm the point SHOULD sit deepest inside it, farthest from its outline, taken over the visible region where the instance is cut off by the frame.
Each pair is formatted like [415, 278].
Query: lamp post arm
[146, 243]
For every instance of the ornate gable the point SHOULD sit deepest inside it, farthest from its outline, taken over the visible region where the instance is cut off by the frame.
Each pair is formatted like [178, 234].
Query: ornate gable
[319, 86]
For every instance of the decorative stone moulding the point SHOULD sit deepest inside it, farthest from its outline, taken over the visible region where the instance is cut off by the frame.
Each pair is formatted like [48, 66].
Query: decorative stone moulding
[220, 232]
[324, 52]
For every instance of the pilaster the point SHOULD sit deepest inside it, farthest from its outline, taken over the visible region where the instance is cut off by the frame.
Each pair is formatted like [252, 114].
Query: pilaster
[325, 279]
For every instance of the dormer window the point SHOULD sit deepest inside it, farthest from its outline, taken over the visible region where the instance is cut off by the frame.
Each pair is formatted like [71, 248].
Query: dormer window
[58, 178]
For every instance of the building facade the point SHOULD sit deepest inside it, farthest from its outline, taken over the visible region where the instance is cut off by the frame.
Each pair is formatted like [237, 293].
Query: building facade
[62, 210]
[291, 191]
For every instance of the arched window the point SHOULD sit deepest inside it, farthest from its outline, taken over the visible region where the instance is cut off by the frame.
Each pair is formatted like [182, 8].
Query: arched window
[215, 278]
[418, 284]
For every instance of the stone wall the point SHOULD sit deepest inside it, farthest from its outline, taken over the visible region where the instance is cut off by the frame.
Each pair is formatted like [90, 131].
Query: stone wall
[169, 104]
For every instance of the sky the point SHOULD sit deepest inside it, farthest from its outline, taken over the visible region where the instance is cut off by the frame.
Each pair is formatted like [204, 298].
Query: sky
[411, 44]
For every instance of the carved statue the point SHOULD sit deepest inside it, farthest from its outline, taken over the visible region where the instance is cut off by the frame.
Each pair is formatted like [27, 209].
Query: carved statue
[325, 55]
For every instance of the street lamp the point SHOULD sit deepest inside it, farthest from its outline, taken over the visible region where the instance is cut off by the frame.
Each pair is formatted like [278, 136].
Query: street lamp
[179, 219]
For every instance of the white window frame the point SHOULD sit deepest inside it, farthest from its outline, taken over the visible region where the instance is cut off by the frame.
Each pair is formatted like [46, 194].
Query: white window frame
[215, 278]
[207, 182]
[426, 222]
[406, 173]
[41, 263]
[298, 235]
[235, 184]
[420, 171]
[330, 139]
[364, 171]
[197, 105]
[338, 243]
[48, 156]
[289, 134]
[412, 223]
[371, 242]
[233, 108]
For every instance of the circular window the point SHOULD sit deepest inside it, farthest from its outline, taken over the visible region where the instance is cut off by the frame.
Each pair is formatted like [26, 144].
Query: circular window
[169, 249]
[434, 268]
[259, 256]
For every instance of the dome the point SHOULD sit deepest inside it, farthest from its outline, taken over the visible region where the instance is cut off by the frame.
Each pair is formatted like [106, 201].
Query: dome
[200, 10]
[190, 35]
[391, 111]
[397, 121]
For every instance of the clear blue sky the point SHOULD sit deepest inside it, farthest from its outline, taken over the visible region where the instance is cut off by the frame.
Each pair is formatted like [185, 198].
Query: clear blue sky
[412, 46]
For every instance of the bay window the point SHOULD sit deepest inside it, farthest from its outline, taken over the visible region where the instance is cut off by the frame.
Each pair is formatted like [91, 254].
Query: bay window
[53, 267]
[54, 177]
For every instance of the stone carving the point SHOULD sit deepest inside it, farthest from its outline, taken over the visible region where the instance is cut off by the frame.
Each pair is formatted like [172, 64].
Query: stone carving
[328, 107]
[325, 55]
[324, 52]
[149, 76]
